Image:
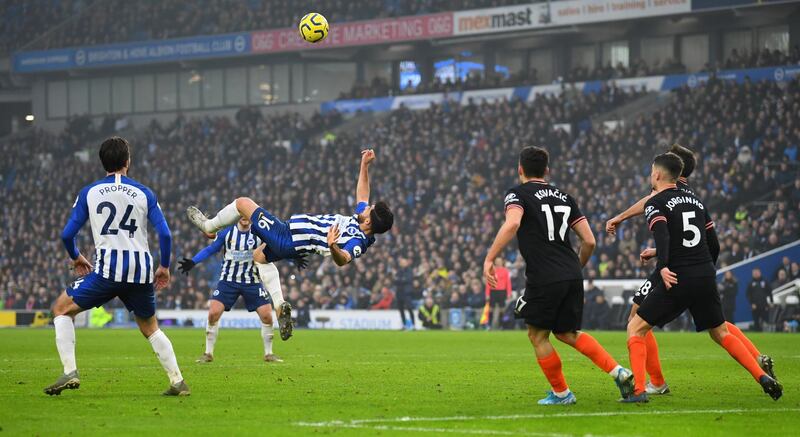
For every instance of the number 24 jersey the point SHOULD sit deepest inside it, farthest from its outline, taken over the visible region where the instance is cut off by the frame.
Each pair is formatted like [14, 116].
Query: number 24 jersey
[543, 236]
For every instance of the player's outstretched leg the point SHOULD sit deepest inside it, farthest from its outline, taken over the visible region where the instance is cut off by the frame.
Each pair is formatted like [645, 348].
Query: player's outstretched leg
[65, 309]
[550, 363]
[657, 384]
[739, 352]
[590, 348]
[265, 314]
[227, 216]
[166, 355]
[215, 309]
[765, 361]
[270, 280]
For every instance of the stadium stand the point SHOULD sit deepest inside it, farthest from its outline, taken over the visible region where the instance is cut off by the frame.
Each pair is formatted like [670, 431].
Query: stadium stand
[23, 21]
[444, 170]
[378, 86]
[154, 19]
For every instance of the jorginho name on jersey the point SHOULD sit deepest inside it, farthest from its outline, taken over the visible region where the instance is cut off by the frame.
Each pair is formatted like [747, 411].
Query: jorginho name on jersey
[548, 214]
[237, 262]
[310, 233]
[687, 220]
[118, 209]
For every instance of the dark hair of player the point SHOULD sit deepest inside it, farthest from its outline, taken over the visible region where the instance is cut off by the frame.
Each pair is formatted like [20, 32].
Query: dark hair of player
[114, 154]
[381, 218]
[533, 161]
[671, 163]
[688, 158]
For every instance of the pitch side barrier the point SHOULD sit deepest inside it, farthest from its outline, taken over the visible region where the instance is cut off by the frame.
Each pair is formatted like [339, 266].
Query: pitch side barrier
[769, 263]
[530, 93]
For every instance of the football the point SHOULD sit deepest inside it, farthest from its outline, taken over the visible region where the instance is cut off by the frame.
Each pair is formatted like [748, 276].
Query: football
[313, 27]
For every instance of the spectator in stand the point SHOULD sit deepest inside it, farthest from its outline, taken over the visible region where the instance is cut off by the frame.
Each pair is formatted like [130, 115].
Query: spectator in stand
[781, 280]
[429, 314]
[728, 290]
[385, 302]
[759, 294]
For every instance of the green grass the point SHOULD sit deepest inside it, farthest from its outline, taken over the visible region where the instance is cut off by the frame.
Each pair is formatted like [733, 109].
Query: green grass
[335, 378]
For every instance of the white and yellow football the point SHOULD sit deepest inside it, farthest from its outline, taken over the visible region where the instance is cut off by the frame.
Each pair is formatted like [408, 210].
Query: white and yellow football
[313, 27]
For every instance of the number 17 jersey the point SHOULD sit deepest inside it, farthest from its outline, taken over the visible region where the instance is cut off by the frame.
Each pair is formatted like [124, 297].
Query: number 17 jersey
[118, 209]
[548, 214]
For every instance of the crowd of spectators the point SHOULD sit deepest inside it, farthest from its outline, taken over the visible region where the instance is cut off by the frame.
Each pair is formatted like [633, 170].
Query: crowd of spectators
[23, 21]
[444, 170]
[478, 79]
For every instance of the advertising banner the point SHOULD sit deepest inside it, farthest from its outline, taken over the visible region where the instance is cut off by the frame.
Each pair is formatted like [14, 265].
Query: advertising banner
[488, 96]
[358, 33]
[133, 53]
[320, 319]
[592, 11]
[504, 19]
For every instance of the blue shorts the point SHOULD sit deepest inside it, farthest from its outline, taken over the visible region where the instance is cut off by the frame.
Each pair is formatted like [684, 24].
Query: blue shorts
[93, 290]
[254, 295]
[275, 233]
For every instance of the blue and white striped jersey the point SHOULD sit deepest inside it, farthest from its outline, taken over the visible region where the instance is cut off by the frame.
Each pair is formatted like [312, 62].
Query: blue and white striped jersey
[237, 261]
[310, 233]
[118, 209]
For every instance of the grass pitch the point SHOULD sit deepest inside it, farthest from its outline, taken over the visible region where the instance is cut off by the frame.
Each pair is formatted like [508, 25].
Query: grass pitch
[387, 383]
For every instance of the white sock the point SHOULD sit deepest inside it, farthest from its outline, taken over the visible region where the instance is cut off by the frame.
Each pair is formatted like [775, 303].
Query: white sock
[614, 371]
[271, 280]
[65, 342]
[211, 337]
[225, 217]
[163, 349]
[266, 335]
[561, 394]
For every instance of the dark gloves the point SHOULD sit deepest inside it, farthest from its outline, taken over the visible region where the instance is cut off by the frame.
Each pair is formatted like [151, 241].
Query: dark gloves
[185, 265]
[300, 262]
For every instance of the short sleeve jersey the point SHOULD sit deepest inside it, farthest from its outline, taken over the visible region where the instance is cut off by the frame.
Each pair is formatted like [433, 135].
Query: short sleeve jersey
[687, 220]
[544, 233]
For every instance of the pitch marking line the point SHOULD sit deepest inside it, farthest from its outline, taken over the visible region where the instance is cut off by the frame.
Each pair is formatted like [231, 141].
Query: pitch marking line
[439, 430]
[357, 422]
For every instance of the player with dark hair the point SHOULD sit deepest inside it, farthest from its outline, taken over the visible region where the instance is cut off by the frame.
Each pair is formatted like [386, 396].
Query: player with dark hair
[657, 384]
[541, 216]
[686, 257]
[118, 209]
[344, 238]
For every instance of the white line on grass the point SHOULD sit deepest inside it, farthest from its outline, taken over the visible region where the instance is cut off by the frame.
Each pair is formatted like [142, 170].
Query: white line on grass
[437, 430]
[547, 416]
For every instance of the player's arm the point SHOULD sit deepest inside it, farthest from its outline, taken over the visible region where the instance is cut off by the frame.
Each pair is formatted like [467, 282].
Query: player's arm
[635, 210]
[657, 223]
[588, 243]
[504, 236]
[187, 264]
[339, 255]
[80, 213]
[711, 239]
[362, 187]
[156, 217]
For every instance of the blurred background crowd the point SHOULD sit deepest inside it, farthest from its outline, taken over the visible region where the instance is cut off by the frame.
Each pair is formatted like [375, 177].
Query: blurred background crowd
[444, 171]
[478, 79]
